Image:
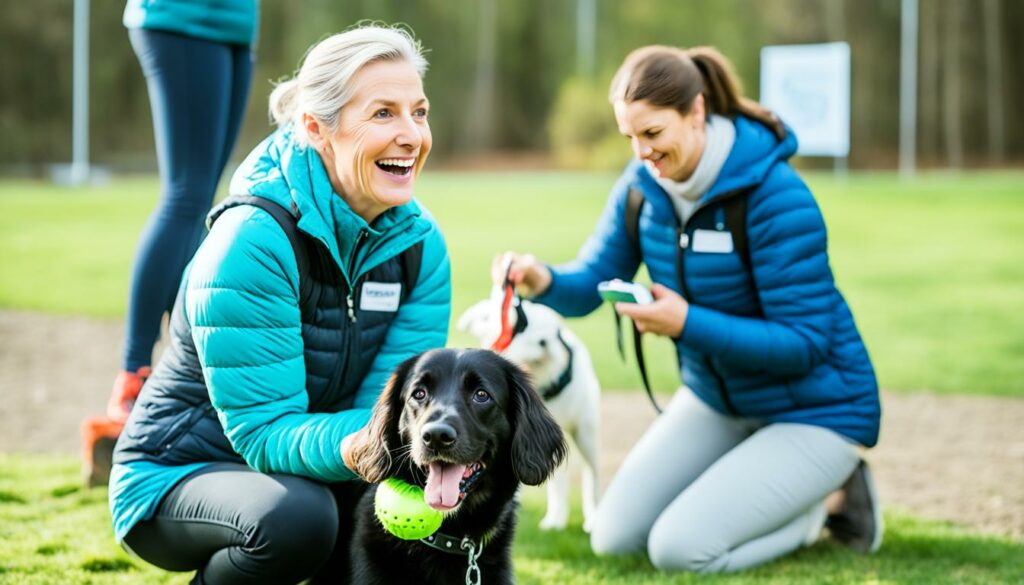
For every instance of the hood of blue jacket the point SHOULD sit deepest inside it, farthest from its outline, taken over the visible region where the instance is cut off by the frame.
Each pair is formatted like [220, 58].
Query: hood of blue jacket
[291, 174]
[754, 153]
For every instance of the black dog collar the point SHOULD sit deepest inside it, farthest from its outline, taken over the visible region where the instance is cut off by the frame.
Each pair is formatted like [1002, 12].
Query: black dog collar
[450, 544]
[556, 388]
[465, 547]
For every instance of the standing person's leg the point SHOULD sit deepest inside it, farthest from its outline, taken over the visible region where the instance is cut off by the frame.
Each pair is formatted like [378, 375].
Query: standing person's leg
[281, 531]
[681, 443]
[198, 92]
[243, 60]
[761, 500]
[239, 74]
[190, 84]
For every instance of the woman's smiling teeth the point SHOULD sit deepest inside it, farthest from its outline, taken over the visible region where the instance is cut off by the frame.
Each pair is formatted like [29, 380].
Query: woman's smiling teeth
[396, 166]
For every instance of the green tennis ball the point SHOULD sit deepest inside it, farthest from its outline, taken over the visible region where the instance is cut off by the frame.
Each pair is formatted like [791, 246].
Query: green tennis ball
[402, 511]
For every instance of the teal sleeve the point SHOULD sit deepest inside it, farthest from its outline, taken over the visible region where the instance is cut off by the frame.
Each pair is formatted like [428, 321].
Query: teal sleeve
[242, 304]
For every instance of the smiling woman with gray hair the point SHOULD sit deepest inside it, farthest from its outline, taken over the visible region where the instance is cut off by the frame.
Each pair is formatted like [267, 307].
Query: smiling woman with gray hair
[319, 276]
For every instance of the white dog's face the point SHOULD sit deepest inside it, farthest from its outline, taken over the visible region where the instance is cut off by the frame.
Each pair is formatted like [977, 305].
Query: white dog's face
[563, 374]
[531, 348]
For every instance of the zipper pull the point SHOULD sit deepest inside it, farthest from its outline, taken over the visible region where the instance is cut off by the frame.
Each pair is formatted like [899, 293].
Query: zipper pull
[684, 240]
[351, 270]
[720, 219]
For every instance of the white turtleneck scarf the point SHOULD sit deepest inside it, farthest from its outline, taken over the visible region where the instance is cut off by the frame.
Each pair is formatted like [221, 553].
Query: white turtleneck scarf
[720, 134]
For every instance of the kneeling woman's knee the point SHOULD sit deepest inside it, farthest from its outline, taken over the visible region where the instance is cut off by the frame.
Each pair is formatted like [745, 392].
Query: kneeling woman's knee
[672, 547]
[296, 532]
[611, 538]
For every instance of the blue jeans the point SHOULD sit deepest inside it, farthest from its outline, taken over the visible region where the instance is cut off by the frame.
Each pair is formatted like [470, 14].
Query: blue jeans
[197, 92]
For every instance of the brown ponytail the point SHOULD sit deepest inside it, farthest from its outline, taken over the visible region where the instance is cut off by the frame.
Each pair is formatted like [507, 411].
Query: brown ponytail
[668, 77]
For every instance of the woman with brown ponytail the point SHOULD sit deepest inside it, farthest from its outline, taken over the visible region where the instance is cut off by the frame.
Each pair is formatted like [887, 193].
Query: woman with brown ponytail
[761, 447]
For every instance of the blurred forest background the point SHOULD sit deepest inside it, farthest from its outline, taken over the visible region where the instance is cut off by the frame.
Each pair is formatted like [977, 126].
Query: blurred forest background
[510, 84]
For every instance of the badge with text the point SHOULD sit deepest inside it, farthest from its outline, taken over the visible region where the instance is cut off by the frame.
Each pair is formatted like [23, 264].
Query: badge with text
[712, 241]
[380, 296]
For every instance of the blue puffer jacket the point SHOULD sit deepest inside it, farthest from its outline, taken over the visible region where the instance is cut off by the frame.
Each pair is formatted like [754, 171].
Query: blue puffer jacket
[777, 342]
[232, 22]
[256, 374]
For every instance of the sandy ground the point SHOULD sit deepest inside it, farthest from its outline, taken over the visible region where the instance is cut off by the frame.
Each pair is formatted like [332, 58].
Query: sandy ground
[954, 458]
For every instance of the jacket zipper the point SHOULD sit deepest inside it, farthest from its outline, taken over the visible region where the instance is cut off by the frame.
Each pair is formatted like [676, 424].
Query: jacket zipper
[349, 293]
[349, 298]
[347, 333]
[683, 242]
[331, 388]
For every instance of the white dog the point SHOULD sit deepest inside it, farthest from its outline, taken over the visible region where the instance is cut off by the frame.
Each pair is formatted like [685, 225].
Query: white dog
[564, 376]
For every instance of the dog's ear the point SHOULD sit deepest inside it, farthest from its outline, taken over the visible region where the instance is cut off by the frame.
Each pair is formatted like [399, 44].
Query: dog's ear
[370, 450]
[538, 445]
[474, 320]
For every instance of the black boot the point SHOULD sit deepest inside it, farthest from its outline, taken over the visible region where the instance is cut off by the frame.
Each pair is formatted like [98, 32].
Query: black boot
[859, 524]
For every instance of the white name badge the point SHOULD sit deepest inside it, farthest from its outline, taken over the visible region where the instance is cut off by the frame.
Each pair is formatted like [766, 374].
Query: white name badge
[712, 241]
[380, 296]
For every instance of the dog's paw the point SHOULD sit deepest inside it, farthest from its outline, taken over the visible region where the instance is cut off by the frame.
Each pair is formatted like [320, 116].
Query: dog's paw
[588, 525]
[553, 522]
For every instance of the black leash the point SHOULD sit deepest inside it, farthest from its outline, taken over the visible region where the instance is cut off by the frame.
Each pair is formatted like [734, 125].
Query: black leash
[638, 348]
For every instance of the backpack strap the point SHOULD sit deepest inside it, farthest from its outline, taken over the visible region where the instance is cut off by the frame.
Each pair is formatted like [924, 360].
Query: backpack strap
[411, 260]
[634, 201]
[735, 210]
[289, 224]
[736, 220]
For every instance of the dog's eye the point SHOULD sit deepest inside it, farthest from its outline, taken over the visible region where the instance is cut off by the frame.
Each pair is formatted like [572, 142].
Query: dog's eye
[481, 396]
[419, 394]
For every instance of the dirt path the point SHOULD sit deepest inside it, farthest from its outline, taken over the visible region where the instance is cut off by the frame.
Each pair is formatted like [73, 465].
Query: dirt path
[954, 458]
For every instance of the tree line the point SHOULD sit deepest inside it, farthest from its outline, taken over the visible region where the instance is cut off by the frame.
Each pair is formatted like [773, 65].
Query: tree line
[498, 67]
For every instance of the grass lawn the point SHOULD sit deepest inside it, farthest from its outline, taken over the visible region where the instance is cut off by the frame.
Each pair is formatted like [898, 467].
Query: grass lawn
[932, 268]
[53, 531]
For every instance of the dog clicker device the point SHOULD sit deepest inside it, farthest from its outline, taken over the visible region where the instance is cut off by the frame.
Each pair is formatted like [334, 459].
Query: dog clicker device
[620, 291]
[403, 512]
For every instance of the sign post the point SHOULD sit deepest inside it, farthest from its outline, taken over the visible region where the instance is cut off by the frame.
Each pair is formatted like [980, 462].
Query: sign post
[808, 86]
[80, 110]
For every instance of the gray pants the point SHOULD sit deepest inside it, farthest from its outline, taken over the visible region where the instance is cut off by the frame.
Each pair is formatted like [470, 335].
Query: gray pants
[710, 493]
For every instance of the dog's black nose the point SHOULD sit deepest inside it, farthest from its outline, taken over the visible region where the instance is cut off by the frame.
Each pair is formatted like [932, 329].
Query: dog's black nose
[438, 434]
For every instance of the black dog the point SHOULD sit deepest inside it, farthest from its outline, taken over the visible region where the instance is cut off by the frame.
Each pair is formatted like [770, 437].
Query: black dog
[468, 426]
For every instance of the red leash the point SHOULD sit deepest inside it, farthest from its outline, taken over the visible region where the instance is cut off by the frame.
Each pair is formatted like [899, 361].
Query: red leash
[507, 333]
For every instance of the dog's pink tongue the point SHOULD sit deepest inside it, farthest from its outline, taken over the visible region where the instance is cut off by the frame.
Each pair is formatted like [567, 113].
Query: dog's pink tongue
[443, 479]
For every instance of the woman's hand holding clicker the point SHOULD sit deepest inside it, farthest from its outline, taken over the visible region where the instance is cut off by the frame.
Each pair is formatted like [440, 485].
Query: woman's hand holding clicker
[665, 316]
[530, 275]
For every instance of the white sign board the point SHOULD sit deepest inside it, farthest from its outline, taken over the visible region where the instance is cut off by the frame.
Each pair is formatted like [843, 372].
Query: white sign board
[808, 86]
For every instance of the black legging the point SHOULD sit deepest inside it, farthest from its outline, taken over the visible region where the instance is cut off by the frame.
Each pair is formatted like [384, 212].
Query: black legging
[197, 91]
[231, 524]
